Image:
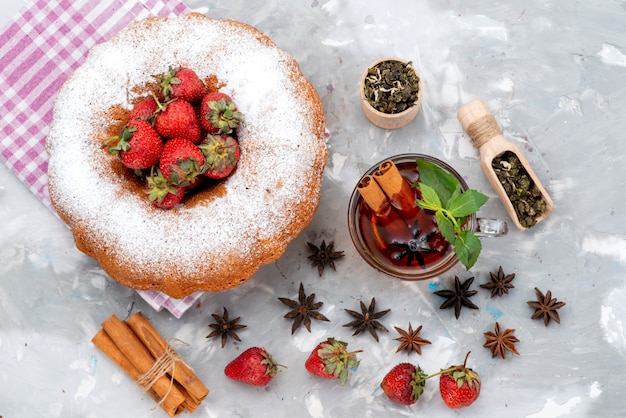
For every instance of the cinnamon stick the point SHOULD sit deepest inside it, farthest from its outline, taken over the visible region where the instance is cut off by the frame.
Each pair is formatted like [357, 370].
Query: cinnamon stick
[397, 189]
[373, 195]
[190, 403]
[171, 399]
[157, 346]
[107, 346]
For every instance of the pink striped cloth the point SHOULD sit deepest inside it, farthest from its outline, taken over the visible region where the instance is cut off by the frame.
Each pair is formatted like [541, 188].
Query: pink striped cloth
[39, 49]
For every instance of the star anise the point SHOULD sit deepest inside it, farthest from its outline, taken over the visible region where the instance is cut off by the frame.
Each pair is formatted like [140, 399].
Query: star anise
[367, 319]
[458, 297]
[225, 327]
[499, 284]
[324, 255]
[410, 340]
[303, 310]
[501, 341]
[546, 306]
[414, 248]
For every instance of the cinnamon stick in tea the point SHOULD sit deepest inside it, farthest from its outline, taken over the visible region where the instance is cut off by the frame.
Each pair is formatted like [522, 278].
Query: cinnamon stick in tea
[398, 190]
[125, 339]
[373, 195]
[157, 346]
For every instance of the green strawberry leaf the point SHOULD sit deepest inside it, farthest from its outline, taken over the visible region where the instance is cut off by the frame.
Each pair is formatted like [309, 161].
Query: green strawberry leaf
[418, 383]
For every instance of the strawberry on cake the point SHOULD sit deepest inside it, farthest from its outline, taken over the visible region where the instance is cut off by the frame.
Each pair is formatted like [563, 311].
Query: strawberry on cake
[186, 153]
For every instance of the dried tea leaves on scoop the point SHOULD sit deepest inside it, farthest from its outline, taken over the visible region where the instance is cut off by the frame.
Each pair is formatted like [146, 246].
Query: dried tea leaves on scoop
[521, 190]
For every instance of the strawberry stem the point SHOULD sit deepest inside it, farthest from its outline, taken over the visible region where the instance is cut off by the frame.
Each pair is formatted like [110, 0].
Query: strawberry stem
[448, 370]
[160, 106]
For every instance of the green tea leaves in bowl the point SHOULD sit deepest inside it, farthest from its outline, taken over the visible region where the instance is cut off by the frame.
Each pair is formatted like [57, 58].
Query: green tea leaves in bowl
[392, 86]
[441, 192]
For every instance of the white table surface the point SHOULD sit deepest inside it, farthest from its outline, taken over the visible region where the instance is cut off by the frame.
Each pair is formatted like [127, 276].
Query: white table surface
[553, 71]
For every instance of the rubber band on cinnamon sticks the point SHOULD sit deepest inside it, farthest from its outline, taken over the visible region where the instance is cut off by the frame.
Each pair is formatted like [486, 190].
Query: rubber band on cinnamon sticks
[155, 368]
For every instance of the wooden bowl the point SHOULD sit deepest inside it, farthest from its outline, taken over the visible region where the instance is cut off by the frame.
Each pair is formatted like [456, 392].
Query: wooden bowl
[389, 120]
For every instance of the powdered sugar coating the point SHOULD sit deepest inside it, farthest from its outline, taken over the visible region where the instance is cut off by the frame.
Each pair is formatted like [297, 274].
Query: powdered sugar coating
[220, 241]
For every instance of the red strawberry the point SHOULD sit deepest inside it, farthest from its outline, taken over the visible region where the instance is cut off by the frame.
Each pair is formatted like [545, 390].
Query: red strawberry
[181, 162]
[138, 145]
[459, 386]
[404, 383]
[331, 360]
[254, 366]
[144, 109]
[177, 119]
[218, 113]
[161, 192]
[221, 154]
[181, 83]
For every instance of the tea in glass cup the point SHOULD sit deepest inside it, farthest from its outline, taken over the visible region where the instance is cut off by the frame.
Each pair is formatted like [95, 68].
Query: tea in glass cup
[399, 239]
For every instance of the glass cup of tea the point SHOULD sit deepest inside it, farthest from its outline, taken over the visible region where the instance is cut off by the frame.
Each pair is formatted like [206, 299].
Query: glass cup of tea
[408, 244]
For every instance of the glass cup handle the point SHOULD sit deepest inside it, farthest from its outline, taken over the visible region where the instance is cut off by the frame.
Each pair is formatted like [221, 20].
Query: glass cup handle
[490, 227]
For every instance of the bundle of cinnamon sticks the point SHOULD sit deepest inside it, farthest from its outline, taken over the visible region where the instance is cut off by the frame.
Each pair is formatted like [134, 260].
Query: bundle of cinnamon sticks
[138, 349]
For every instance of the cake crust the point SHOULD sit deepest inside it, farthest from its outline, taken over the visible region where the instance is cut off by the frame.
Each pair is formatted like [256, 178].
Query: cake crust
[223, 235]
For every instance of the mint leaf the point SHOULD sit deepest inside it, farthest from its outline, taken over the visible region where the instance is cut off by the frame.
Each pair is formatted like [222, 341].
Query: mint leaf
[467, 247]
[455, 195]
[446, 227]
[441, 193]
[466, 203]
[430, 198]
[439, 179]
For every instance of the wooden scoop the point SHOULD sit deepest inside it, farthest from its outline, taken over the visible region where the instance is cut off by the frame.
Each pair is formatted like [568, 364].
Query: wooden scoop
[486, 136]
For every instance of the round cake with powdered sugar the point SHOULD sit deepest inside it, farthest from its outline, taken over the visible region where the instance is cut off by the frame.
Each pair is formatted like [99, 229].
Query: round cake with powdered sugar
[219, 237]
